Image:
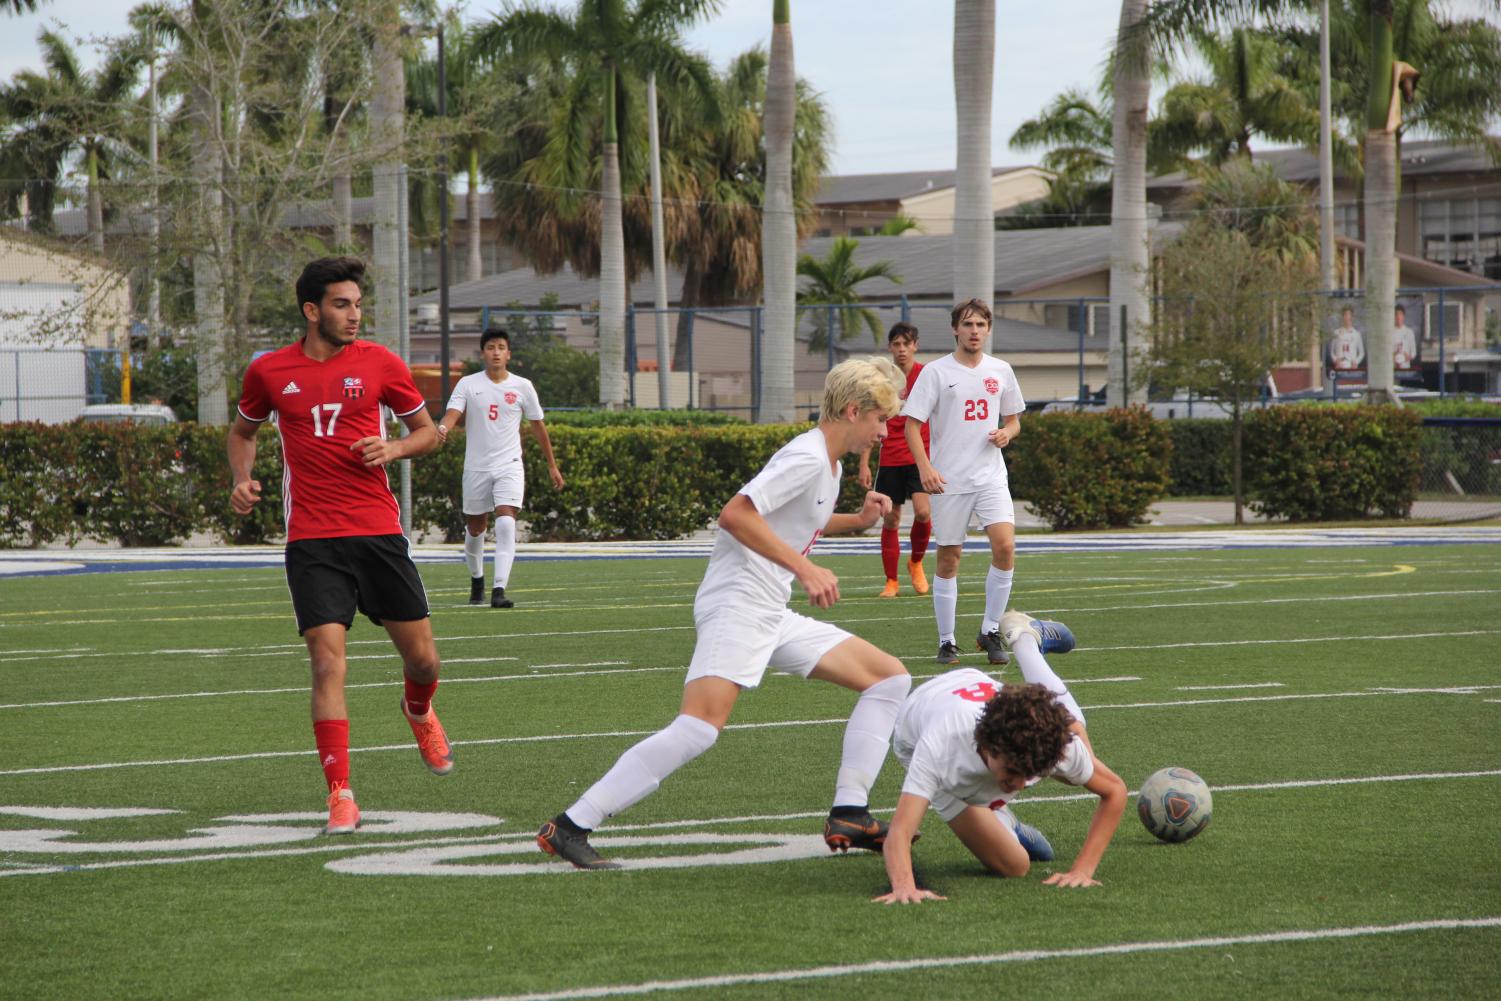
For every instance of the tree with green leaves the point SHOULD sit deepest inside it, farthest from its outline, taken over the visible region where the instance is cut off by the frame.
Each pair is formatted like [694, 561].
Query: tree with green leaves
[834, 281]
[1244, 97]
[1237, 295]
[717, 240]
[64, 112]
[604, 41]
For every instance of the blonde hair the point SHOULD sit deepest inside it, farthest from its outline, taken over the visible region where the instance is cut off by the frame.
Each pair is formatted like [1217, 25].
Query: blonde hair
[872, 383]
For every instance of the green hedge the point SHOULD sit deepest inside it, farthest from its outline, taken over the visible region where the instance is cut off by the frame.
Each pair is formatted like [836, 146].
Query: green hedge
[158, 485]
[642, 418]
[1091, 470]
[1332, 462]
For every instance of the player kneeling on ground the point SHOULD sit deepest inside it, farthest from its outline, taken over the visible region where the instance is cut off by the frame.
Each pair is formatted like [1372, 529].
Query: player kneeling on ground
[970, 745]
[744, 625]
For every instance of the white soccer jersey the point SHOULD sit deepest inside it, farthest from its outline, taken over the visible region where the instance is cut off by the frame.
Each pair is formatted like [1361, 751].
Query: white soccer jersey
[492, 421]
[962, 406]
[935, 740]
[796, 494]
[1346, 349]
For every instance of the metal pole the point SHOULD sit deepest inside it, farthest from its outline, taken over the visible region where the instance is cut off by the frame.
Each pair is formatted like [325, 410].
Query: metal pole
[630, 350]
[829, 310]
[443, 320]
[1326, 190]
[1125, 358]
[906, 309]
[154, 288]
[1442, 375]
[1083, 332]
[658, 250]
[403, 343]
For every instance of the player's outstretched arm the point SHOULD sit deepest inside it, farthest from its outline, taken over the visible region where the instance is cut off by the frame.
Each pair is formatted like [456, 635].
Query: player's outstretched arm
[876, 507]
[932, 479]
[741, 519]
[539, 428]
[240, 444]
[1107, 817]
[451, 418]
[897, 853]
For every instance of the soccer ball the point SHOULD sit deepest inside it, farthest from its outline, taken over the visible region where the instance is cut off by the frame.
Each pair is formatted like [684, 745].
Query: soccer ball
[1174, 804]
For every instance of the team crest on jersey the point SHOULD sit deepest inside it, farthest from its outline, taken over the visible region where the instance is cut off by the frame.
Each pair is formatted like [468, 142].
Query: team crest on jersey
[354, 387]
[511, 398]
[992, 386]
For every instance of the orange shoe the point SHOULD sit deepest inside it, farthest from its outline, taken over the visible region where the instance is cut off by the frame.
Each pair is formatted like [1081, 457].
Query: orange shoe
[343, 814]
[919, 579]
[432, 742]
[891, 588]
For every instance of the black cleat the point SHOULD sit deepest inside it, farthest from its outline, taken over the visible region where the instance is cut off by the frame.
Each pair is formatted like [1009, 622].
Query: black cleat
[571, 844]
[476, 590]
[948, 653]
[990, 645]
[498, 599]
[843, 833]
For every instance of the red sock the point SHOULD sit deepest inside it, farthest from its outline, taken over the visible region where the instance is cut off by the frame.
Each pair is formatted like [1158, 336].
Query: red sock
[920, 532]
[419, 697]
[891, 551]
[332, 738]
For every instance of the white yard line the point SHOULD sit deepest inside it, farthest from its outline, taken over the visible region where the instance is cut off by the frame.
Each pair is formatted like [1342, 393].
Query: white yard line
[1019, 956]
[1221, 688]
[840, 721]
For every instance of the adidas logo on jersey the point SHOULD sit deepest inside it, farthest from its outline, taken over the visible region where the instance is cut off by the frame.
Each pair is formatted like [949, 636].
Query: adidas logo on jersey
[289, 389]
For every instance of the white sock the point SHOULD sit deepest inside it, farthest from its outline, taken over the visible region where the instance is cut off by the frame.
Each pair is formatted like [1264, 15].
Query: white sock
[505, 549]
[866, 738]
[474, 553]
[642, 768]
[945, 601]
[1037, 672]
[997, 593]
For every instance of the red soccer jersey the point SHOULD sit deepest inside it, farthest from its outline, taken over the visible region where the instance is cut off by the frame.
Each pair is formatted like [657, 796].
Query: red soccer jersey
[321, 409]
[894, 450]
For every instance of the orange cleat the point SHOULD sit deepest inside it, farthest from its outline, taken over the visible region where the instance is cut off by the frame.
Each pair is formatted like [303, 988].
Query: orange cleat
[343, 814]
[919, 579]
[891, 588]
[432, 742]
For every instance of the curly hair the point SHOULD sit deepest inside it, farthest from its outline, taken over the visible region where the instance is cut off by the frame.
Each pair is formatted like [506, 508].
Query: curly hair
[1025, 725]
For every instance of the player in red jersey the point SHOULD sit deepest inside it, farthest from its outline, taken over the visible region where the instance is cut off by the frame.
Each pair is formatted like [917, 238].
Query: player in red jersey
[898, 477]
[345, 547]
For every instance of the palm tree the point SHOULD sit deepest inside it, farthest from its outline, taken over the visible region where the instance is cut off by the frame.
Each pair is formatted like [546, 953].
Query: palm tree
[607, 41]
[472, 93]
[778, 224]
[723, 182]
[18, 6]
[1245, 96]
[974, 201]
[1075, 132]
[1130, 250]
[68, 110]
[388, 134]
[834, 281]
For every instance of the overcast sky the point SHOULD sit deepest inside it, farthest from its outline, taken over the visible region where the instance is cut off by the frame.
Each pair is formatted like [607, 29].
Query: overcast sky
[883, 66]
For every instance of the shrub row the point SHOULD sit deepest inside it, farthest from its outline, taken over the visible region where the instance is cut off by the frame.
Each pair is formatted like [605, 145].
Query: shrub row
[158, 485]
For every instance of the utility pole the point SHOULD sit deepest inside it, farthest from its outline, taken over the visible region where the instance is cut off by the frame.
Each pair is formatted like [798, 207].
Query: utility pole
[658, 251]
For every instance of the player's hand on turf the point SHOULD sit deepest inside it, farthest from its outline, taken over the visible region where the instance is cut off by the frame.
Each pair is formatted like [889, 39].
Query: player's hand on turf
[557, 477]
[876, 507]
[863, 477]
[375, 451]
[933, 482]
[1070, 879]
[245, 496]
[912, 896]
[821, 584]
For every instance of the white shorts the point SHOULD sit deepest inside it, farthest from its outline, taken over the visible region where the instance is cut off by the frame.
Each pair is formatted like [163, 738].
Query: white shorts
[484, 491]
[951, 513]
[738, 644]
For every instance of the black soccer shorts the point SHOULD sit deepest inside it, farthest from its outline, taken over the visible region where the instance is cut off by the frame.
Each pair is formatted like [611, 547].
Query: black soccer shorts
[332, 578]
[899, 483]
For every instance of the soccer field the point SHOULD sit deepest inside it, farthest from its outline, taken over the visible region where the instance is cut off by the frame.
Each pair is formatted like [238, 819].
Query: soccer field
[160, 802]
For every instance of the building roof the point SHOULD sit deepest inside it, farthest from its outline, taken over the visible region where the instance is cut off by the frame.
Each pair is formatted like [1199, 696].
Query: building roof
[845, 189]
[1420, 157]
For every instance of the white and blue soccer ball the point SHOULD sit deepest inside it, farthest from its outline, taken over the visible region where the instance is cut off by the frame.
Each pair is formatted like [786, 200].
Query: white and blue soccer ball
[1174, 804]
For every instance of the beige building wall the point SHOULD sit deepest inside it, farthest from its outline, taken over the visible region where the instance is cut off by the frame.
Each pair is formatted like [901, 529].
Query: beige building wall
[934, 211]
[53, 297]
